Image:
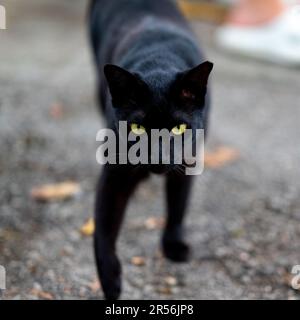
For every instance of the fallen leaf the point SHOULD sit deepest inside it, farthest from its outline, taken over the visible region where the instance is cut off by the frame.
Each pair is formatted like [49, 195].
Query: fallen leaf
[171, 281]
[165, 290]
[238, 233]
[56, 111]
[154, 223]
[158, 254]
[287, 278]
[88, 228]
[67, 290]
[41, 294]
[138, 261]
[220, 157]
[94, 286]
[8, 235]
[204, 10]
[244, 256]
[55, 192]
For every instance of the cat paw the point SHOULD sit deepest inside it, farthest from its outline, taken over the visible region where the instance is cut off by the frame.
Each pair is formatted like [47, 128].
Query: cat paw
[112, 290]
[110, 277]
[176, 250]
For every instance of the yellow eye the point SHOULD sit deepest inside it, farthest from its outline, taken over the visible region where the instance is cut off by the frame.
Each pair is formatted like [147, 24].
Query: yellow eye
[137, 129]
[179, 130]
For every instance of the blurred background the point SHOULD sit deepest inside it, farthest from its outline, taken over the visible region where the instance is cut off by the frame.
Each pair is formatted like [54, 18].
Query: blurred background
[244, 221]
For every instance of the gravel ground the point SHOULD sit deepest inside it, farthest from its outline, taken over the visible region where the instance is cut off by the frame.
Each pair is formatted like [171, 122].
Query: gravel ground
[244, 221]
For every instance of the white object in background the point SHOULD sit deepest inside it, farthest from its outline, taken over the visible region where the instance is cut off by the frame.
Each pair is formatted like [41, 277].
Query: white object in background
[277, 41]
[2, 278]
[233, 2]
[2, 18]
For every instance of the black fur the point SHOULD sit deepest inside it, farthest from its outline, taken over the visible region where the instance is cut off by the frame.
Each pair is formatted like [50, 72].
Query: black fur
[160, 82]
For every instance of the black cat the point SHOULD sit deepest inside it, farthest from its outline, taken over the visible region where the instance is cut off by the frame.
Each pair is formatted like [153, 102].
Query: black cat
[148, 65]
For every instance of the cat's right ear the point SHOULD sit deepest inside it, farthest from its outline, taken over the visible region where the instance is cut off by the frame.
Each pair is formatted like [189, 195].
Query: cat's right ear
[193, 85]
[123, 85]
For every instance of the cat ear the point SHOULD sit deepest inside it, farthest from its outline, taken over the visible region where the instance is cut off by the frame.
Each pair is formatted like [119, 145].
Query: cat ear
[123, 85]
[193, 85]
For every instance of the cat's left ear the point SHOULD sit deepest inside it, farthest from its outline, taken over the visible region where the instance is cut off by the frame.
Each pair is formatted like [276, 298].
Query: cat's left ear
[193, 85]
[123, 85]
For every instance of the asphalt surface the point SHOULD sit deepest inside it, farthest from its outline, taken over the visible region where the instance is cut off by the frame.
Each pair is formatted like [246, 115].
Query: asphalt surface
[244, 220]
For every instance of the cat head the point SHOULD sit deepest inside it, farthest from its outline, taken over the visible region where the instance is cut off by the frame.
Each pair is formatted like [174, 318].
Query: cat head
[165, 100]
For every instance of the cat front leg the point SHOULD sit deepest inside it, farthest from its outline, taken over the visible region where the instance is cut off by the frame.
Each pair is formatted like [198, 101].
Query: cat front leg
[115, 187]
[178, 188]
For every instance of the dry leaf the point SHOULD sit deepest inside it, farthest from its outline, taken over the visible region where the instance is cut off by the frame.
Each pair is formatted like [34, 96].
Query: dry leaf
[138, 261]
[41, 294]
[88, 228]
[55, 192]
[220, 157]
[287, 278]
[8, 235]
[165, 290]
[154, 223]
[94, 286]
[56, 111]
[171, 281]
[204, 10]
